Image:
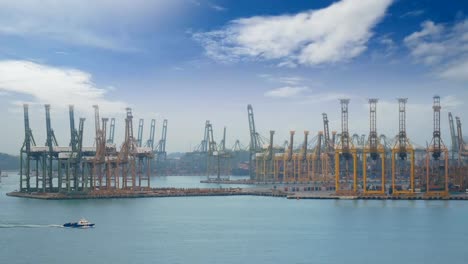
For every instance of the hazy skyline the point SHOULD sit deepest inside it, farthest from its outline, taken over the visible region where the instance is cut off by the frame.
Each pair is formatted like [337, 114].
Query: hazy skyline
[191, 61]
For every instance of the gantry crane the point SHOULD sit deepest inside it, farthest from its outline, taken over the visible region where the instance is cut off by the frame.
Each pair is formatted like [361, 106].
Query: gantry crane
[51, 142]
[462, 148]
[237, 146]
[462, 155]
[102, 175]
[262, 163]
[327, 156]
[99, 175]
[205, 142]
[461, 143]
[402, 156]
[268, 162]
[71, 161]
[345, 155]
[222, 143]
[362, 140]
[300, 166]
[224, 156]
[314, 159]
[126, 157]
[75, 160]
[144, 154]
[150, 141]
[437, 158]
[374, 153]
[256, 142]
[73, 131]
[198, 158]
[78, 155]
[453, 136]
[101, 166]
[288, 174]
[26, 155]
[213, 158]
[161, 147]
[356, 139]
[279, 165]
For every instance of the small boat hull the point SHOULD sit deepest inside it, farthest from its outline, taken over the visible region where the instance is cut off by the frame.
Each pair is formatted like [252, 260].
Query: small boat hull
[77, 225]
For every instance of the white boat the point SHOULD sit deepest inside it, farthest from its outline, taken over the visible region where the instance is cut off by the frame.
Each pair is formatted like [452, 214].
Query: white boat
[83, 223]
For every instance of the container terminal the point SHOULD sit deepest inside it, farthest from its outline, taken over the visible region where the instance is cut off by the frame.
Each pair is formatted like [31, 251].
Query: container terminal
[336, 165]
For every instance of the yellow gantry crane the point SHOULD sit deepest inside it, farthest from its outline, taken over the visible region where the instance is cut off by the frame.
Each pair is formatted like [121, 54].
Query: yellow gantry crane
[437, 158]
[264, 163]
[327, 157]
[288, 174]
[314, 162]
[345, 156]
[99, 172]
[402, 156]
[300, 162]
[374, 152]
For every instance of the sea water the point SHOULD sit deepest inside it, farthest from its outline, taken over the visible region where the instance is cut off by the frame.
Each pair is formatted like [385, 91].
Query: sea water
[230, 229]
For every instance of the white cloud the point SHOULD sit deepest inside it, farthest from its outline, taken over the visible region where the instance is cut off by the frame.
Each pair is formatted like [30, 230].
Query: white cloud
[336, 33]
[103, 24]
[293, 80]
[389, 43]
[458, 70]
[290, 80]
[413, 13]
[328, 97]
[287, 91]
[443, 47]
[425, 45]
[387, 50]
[177, 68]
[450, 102]
[217, 7]
[56, 86]
[287, 64]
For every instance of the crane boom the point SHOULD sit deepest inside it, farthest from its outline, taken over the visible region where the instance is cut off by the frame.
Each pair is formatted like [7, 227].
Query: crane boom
[111, 131]
[140, 132]
[164, 136]
[73, 132]
[326, 132]
[460, 135]
[453, 135]
[150, 141]
[253, 133]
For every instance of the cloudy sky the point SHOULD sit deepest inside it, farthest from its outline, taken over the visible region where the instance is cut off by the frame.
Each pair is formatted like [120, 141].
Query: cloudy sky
[196, 60]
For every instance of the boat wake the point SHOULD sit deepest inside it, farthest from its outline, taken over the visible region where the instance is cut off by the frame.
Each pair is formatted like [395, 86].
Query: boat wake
[28, 226]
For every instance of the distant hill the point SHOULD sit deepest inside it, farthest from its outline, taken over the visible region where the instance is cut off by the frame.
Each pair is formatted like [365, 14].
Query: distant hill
[9, 162]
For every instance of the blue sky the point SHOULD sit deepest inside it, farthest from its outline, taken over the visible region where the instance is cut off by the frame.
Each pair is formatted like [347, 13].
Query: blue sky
[194, 60]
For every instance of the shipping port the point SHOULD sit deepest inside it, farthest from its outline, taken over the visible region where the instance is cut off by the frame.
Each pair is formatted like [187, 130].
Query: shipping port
[221, 131]
[328, 165]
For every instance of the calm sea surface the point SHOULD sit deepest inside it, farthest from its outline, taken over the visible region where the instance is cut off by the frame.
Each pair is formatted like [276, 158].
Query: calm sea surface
[231, 230]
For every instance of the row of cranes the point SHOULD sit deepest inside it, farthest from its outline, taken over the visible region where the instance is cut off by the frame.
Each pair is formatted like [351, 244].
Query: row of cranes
[368, 164]
[459, 150]
[459, 147]
[78, 168]
[215, 159]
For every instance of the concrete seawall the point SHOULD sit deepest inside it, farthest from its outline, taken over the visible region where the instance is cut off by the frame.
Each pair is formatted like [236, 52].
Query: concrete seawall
[166, 192]
[197, 192]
